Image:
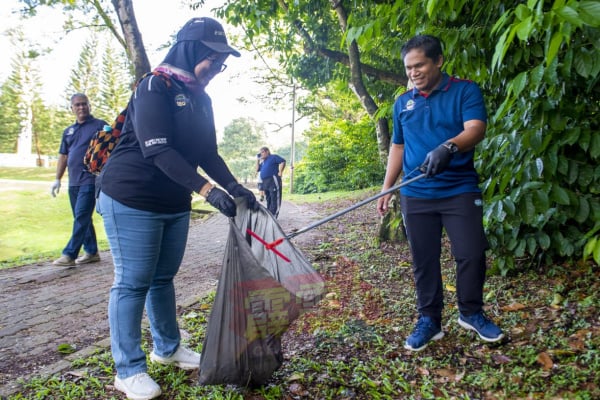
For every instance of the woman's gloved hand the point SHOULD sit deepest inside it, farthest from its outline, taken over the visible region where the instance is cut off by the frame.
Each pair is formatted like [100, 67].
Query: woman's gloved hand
[237, 190]
[222, 202]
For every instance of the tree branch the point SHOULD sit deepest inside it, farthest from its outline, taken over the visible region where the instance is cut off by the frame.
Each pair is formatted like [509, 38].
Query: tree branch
[382, 128]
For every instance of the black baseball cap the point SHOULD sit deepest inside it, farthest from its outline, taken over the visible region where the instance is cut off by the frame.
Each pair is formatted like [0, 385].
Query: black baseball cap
[209, 32]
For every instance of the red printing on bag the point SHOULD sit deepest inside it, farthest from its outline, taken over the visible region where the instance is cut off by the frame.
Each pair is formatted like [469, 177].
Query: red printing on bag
[269, 246]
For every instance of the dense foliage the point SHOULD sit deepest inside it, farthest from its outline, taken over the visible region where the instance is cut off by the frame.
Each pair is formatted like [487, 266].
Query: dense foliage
[537, 64]
[541, 159]
[342, 150]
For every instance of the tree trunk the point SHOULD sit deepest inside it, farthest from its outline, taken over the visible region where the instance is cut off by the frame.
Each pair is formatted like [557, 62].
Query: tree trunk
[358, 86]
[387, 231]
[133, 39]
[392, 228]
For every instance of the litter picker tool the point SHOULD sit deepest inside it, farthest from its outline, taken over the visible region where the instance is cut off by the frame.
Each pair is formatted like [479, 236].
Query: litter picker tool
[354, 207]
[271, 246]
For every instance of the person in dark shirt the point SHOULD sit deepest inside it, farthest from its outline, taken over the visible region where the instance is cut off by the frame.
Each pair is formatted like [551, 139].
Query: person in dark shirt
[145, 200]
[75, 141]
[270, 167]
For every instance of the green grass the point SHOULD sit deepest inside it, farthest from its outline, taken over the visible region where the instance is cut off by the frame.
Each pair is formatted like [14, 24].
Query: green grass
[356, 195]
[29, 174]
[37, 226]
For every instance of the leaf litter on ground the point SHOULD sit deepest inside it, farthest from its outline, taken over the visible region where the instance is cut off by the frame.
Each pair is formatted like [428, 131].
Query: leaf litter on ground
[351, 345]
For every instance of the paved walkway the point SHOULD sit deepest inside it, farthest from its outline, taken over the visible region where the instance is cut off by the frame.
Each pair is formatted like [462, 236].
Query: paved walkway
[43, 306]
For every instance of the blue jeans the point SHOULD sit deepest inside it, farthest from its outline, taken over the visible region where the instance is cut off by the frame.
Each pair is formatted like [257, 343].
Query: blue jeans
[82, 205]
[147, 250]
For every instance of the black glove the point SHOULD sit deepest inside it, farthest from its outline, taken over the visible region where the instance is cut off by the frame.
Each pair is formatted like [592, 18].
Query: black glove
[222, 202]
[237, 190]
[436, 161]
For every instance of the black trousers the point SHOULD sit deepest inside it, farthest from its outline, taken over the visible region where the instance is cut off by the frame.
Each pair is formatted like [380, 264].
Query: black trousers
[462, 218]
[273, 193]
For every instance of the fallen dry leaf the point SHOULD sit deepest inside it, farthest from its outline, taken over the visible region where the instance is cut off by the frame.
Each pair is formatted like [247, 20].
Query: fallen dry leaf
[545, 361]
[446, 373]
[297, 389]
[501, 359]
[513, 307]
[450, 288]
[334, 304]
[576, 343]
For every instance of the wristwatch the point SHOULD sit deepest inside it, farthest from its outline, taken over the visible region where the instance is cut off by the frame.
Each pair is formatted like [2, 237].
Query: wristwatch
[452, 147]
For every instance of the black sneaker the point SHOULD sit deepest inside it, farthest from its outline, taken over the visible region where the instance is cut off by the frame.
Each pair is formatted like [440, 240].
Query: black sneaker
[425, 331]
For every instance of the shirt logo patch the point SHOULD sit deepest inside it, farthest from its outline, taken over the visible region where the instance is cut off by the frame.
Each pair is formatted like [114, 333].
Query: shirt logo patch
[70, 131]
[152, 142]
[181, 100]
[410, 104]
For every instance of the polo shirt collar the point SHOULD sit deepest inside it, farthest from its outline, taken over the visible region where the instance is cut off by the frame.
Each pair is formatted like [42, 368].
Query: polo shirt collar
[443, 86]
[88, 119]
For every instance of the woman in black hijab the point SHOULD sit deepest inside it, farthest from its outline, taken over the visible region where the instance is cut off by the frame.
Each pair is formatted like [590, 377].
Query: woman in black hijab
[145, 199]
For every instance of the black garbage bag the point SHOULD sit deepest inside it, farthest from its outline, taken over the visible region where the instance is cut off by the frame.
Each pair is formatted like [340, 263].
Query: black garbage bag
[258, 296]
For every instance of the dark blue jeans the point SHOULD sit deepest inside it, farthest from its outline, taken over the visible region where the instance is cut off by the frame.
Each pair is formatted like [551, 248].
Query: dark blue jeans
[83, 203]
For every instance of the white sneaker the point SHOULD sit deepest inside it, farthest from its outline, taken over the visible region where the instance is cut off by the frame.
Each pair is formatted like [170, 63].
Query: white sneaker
[138, 387]
[182, 358]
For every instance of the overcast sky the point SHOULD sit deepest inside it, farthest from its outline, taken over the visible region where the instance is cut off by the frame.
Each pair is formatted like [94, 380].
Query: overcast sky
[156, 23]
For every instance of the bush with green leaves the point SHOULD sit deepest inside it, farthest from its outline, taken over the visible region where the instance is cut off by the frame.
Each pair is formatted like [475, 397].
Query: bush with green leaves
[541, 158]
[340, 156]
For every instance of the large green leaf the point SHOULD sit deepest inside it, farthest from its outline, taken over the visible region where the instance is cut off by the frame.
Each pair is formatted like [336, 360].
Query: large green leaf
[560, 195]
[590, 12]
[518, 84]
[568, 14]
[583, 212]
[592, 248]
[586, 175]
[555, 43]
[524, 28]
[584, 64]
[543, 240]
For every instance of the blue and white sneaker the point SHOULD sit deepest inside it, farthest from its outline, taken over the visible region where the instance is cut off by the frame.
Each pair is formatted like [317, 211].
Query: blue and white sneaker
[425, 331]
[481, 324]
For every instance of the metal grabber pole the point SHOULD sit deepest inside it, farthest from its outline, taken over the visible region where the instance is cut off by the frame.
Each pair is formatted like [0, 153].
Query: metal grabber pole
[354, 207]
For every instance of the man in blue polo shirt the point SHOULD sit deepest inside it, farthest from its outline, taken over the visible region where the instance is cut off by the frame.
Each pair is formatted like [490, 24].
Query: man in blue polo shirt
[270, 167]
[437, 125]
[75, 141]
